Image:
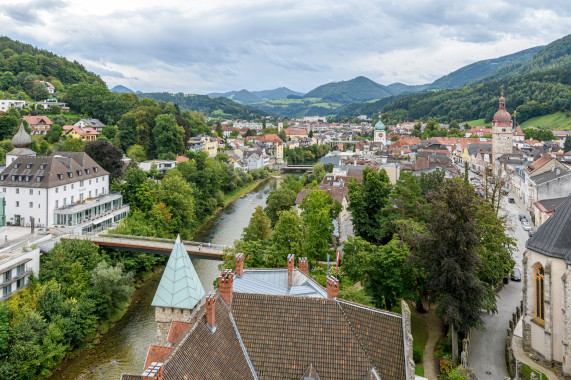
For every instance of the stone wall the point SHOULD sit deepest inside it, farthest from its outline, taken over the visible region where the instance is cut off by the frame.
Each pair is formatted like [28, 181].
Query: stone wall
[511, 360]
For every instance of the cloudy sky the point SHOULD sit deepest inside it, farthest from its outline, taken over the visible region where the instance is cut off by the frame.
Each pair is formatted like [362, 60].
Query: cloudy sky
[221, 45]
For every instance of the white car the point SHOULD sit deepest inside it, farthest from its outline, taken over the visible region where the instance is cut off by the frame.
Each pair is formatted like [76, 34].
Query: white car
[526, 226]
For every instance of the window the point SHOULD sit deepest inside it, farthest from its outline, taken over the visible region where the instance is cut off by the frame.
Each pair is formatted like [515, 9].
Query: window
[95, 169]
[4, 176]
[16, 166]
[90, 182]
[21, 269]
[70, 174]
[17, 191]
[539, 293]
[57, 190]
[86, 171]
[64, 201]
[96, 180]
[31, 191]
[39, 178]
[72, 199]
[6, 290]
[57, 203]
[43, 166]
[64, 187]
[39, 207]
[14, 177]
[29, 166]
[72, 186]
[4, 190]
[7, 275]
[20, 283]
[31, 204]
[96, 192]
[81, 183]
[17, 204]
[60, 176]
[79, 173]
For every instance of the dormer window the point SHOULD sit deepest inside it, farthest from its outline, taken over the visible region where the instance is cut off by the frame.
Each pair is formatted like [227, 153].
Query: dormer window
[86, 171]
[16, 166]
[39, 178]
[4, 176]
[28, 177]
[70, 174]
[43, 166]
[29, 166]
[60, 176]
[95, 169]
[14, 177]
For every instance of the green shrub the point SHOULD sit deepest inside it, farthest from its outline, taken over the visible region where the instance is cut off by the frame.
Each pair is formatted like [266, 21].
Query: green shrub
[417, 355]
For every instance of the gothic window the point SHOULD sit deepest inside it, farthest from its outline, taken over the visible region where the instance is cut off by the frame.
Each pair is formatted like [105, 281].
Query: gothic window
[539, 293]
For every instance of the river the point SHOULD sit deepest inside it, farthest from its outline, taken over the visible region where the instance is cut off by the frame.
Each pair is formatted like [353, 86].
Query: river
[124, 348]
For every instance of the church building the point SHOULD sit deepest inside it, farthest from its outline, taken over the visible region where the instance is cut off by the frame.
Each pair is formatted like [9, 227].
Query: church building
[502, 133]
[380, 133]
[547, 290]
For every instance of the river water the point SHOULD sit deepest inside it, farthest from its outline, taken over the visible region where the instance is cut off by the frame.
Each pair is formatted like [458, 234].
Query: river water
[124, 348]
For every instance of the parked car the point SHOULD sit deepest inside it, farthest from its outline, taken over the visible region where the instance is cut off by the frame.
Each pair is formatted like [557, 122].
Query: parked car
[530, 233]
[516, 274]
[521, 217]
[526, 226]
[511, 200]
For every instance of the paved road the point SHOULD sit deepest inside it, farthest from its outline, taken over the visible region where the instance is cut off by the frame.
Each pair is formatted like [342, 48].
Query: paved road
[487, 348]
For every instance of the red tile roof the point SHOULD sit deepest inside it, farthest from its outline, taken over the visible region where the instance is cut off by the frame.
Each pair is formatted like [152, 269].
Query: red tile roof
[81, 131]
[537, 164]
[37, 120]
[177, 330]
[157, 354]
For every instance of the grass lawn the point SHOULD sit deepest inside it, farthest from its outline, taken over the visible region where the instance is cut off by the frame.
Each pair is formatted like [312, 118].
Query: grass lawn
[558, 121]
[526, 370]
[420, 336]
[476, 123]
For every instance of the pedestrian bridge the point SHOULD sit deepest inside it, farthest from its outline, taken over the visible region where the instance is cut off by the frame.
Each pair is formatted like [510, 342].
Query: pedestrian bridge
[297, 167]
[156, 246]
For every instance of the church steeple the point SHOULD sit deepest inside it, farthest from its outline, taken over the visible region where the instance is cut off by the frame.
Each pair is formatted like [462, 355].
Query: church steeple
[21, 139]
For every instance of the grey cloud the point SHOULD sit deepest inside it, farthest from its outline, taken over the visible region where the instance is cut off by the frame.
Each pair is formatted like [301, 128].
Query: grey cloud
[29, 12]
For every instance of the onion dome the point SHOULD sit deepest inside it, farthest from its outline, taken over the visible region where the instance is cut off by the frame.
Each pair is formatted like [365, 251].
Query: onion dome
[379, 125]
[502, 117]
[21, 139]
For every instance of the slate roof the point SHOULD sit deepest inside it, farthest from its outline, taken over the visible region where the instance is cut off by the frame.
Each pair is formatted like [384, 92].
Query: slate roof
[180, 286]
[552, 237]
[549, 176]
[50, 171]
[548, 205]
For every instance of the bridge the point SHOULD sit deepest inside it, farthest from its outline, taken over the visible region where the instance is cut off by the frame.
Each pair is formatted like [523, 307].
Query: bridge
[156, 246]
[297, 167]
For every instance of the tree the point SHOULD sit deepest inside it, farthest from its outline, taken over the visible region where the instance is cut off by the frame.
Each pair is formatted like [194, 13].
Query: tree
[567, 144]
[70, 144]
[318, 212]
[385, 271]
[178, 197]
[431, 181]
[38, 91]
[448, 254]
[495, 179]
[366, 202]
[110, 131]
[259, 227]
[281, 199]
[168, 136]
[107, 155]
[287, 238]
[136, 153]
[127, 127]
[110, 287]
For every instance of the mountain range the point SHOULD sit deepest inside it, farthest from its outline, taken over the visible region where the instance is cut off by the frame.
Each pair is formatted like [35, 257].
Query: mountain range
[248, 97]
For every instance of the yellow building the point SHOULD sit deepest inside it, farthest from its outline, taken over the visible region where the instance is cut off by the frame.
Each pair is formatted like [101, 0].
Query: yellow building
[85, 134]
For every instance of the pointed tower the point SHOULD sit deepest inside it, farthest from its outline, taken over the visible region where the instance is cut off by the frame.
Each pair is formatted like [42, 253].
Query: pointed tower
[380, 134]
[179, 292]
[21, 142]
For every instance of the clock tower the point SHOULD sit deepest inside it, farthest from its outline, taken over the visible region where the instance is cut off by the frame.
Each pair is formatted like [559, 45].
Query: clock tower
[380, 134]
[502, 133]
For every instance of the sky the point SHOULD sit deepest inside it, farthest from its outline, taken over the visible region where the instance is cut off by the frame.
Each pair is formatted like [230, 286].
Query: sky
[221, 45]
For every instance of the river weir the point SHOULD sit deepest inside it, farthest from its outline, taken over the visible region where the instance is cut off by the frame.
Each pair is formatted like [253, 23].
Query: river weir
[124, 348]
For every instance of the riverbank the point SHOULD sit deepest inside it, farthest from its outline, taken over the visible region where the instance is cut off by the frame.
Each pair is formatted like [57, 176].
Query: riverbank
[231, 197]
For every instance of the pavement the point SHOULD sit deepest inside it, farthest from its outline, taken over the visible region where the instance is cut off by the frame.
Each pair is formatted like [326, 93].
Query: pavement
[487, 346]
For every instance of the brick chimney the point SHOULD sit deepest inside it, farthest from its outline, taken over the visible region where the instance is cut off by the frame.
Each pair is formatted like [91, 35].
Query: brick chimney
[303, 264]
[239, 264]
[332, 287]
[210, 309]
[226, 283]
[290, 267]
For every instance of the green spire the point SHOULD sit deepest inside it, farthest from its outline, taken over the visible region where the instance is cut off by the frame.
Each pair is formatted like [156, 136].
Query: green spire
[379, 126]
[180, 286]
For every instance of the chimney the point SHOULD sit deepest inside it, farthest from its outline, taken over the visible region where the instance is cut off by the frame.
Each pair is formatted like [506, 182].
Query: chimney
[210, 309]
[225, 283]
[332, 287]
[239, 264]
[303, 264]
[290, 266]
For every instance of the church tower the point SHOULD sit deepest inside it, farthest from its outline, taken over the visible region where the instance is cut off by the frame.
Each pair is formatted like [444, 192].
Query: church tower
[380, 134]
[502, 133]
[179, 293]
[21, 142]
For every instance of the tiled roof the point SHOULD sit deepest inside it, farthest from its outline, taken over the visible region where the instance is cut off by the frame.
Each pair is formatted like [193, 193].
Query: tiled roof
[127, 376]
[552, 237]
[157, 354]
[51, 171]
[285, 335]
[85, 131]
[180, 286]
[177, 330]
[35, 120]
[537, 164]
[205, 355]
[549, 175]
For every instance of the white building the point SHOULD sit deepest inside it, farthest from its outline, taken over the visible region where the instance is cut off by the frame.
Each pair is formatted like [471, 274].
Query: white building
[94, 123]
[248, 124]
[163, 166]
[67, 189]
[6, 104]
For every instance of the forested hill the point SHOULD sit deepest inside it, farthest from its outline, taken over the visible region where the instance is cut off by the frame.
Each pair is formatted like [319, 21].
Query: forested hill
[554, 55]
[208, 106]
[481, 69]
[18, 57]
[534, 94]
[355, 90]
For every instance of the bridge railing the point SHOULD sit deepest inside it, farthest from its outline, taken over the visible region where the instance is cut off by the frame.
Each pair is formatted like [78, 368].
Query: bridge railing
[155, 239]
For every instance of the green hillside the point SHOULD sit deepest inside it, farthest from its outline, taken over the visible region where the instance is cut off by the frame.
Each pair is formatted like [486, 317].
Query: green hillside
[481, 69]
[558, 120]
[222, 107]
[554, 55]
[277, 93]
[355, 90]
[297, 107]
[245, 96]
[20, 59]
